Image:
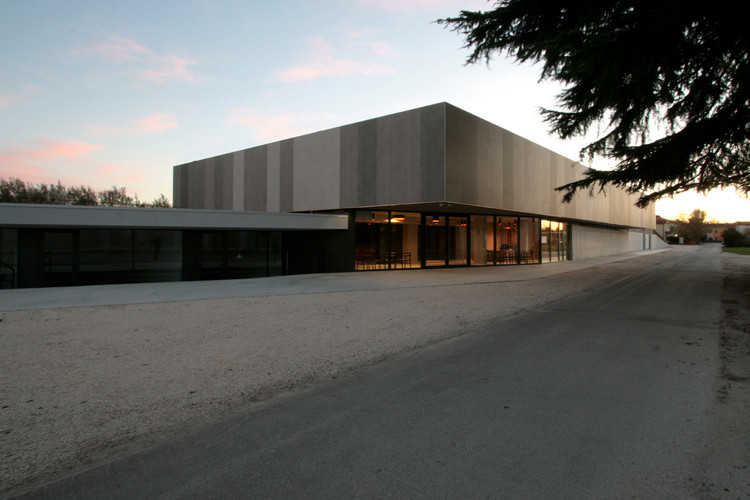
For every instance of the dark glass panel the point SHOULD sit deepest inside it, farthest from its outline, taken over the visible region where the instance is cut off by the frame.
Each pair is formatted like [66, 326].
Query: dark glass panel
[435, 240]
[247, 254]
[458, 233]
[158, 255]
[274, 253]
[8, 258]
[106, 256]
[59, 267]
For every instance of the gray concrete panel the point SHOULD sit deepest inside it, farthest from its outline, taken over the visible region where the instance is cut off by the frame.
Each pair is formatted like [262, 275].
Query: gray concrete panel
[398, 158]
[256, 178]
[461, 156]
[208, 184]
[286, 177]
[432, 154]
[509, 173]
[197, 185]
[218, 183]
[490, 167]
[238, 180]
[349, 156]
[317, 171]
[367, 165]
[227, 173]
[273, 177]
[180, 176]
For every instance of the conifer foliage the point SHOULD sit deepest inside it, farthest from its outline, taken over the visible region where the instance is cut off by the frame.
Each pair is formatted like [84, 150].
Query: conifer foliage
[665, 84]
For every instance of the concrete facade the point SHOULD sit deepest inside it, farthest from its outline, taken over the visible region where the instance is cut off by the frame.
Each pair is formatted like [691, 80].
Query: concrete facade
[423, 159]
[588, 242]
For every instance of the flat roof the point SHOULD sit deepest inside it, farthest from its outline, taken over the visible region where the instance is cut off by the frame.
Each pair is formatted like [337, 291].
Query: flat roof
[16, 215]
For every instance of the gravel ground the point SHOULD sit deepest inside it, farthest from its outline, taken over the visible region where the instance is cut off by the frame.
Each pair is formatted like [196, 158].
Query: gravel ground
[82, 385]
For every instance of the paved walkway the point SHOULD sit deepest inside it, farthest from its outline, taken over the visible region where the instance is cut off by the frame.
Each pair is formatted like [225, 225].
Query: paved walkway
[139, 293]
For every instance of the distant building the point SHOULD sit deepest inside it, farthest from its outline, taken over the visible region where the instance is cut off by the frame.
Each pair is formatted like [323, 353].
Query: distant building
[715, 231]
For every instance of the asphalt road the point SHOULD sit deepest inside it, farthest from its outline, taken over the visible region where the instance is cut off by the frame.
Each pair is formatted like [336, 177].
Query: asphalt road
[606, 394]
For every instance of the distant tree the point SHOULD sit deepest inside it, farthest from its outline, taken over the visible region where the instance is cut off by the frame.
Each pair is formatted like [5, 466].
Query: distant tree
[630, 64]
[115, 197]
[733, 238]
[82, 195]
[15, 190]
[694, 227]
[160, 202]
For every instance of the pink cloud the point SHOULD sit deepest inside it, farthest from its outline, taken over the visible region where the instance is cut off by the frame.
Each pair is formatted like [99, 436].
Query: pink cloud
[20, 97]
[73, 163]
[382, 49]
[151, 124]
[324, 63]
[270, 126]
[152, 67]
[170, 68]
[8, 100]
[43, 160]
[156, 123]
[49, 150]
[120, 49]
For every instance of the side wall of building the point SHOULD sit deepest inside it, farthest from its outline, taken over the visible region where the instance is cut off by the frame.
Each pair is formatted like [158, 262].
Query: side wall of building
[590, 242]
[489, 166]
[398, 158]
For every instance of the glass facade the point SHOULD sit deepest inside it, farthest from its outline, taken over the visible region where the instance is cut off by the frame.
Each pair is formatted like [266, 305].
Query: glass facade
[65, 257]
[383, 239]
[402, 240]
[8, 258]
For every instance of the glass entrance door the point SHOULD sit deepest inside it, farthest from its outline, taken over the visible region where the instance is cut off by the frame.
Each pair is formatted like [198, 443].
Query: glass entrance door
[435, 236]
[458, 241]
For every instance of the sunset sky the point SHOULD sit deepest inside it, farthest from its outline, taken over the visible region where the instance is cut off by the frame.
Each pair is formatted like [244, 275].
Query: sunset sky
[105, 93]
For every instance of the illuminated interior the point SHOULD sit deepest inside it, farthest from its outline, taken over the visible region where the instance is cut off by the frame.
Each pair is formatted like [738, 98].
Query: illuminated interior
[406, 240]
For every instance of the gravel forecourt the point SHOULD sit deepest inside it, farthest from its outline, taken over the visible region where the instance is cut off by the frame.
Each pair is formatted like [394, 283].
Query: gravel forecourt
[82, 385]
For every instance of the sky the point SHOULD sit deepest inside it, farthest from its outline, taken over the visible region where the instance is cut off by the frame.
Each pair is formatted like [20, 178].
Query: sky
[117, 92]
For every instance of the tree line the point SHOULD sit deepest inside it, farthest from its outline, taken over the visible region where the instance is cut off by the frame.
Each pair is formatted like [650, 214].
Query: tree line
[15, 190]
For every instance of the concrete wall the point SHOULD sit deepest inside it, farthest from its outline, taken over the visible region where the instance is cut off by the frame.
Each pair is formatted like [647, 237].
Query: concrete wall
[491, 167]
[434, 154]
[595, 242]
[398, 158]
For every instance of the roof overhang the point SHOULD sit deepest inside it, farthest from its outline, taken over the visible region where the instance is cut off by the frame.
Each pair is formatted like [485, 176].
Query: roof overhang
[16, 215]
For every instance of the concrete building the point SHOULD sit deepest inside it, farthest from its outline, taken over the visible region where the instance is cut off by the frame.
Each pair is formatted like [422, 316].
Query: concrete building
[430, 187]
